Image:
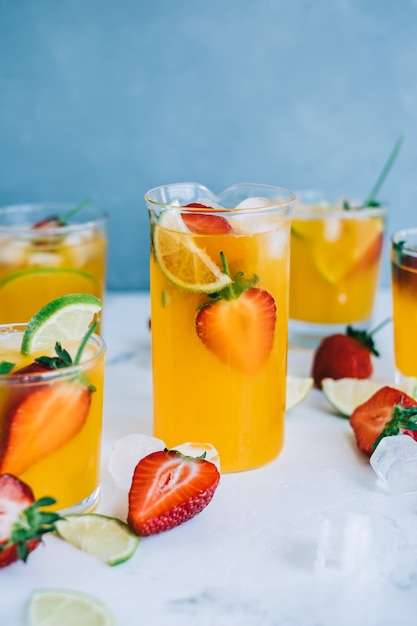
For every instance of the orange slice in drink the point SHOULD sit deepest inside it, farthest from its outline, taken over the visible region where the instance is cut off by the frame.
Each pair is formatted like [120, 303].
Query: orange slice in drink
[347, 246]
[182, 262]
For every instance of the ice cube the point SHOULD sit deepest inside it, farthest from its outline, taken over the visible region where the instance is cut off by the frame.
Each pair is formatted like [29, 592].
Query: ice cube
[126, 454]
[344, 544]
[254, 203]
[394, 461]
[44, 259]
[195, 449]
[12, 251]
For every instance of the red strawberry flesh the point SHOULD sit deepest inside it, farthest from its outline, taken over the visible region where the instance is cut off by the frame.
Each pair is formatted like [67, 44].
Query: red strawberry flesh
[168, 489]
[205, 224]
[370, 418]
[43, 421]
[240, 332]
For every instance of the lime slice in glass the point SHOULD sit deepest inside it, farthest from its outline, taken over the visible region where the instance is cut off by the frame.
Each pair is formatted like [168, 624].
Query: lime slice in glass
[106, 538]
[65, 318]
[181, 261]
[28, 290]
[64, 607]
[297, 390]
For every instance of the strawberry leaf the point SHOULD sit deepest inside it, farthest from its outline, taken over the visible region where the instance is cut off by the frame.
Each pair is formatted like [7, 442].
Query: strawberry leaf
[402, 418]
[6, 367]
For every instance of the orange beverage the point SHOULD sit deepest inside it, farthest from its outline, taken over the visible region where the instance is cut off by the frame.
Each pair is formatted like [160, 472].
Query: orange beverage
[50, 422]
[42, 259]
[219, 318]
[335, 261]
[404, 301]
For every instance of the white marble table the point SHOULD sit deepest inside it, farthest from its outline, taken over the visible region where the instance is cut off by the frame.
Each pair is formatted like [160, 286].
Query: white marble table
[251, 558]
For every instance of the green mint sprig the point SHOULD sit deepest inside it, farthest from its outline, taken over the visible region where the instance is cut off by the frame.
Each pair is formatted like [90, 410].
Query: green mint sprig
[371, 200]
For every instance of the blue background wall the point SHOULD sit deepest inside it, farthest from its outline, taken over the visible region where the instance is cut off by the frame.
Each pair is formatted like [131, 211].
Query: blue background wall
[109, 98]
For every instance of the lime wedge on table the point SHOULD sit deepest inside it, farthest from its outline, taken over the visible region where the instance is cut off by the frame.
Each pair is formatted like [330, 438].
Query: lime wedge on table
[51, 281]
[181, 261]
[346, 394]
[64, 607]
[297, 389]
[107, 538]
[65, 318]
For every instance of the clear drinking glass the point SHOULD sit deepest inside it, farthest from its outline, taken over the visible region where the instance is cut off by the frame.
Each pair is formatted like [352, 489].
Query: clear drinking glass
[51, 422]
[49, 250]
[334, 269]
[404, 301]
[219, 318]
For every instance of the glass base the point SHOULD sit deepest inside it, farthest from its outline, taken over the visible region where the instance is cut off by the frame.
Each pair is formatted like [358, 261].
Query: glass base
[309, 335]
[85, 506]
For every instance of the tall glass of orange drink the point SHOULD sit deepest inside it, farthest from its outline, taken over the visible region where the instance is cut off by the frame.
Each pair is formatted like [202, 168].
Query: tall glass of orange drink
[335, 262]
[219, 316]
[50, 420]
[404, 301]
[46, 251]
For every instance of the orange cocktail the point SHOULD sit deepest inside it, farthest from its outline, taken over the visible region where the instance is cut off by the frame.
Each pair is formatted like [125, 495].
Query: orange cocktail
[404, 300]
[46, 251]
[50, 421]
[219, 317]
[335, 260]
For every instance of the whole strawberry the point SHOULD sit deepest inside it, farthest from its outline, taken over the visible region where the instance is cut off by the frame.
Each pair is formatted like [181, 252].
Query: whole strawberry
[22, 523]
[387, 412]
[344, 356]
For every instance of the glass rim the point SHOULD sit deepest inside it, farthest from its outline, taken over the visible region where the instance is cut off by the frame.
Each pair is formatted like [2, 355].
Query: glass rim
[282, 203]
[38, 378]
[335, 212]
[94, 217]
[401, 236]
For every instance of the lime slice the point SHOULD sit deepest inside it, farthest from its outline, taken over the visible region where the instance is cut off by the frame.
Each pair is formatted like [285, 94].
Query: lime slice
[297, 390]
[181, 261]
[65, 318]
[64, 607]
[54, 282]
[346, 394]
[107, 538]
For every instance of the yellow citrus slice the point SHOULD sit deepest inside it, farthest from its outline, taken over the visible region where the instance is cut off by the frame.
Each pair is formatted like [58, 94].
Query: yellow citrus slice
[65, 607]
[346, 245]
[106, 538]
[181, 261]
[28, 290]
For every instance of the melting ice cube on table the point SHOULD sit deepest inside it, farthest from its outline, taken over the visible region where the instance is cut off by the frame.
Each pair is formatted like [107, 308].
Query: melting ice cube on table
[395, 463]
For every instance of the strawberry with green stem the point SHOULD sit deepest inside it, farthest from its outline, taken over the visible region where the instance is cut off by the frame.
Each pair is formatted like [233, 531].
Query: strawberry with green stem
[238, 324]
[22, 520]
[387, 412]
[345, 355]
[47, 417]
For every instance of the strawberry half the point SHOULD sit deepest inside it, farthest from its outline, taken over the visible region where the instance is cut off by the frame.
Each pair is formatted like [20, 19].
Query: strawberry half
[168, 489]
[41, 421]
[22, 524]
[344, 356]
[204, 224]
[388, 412]
[239, 325]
